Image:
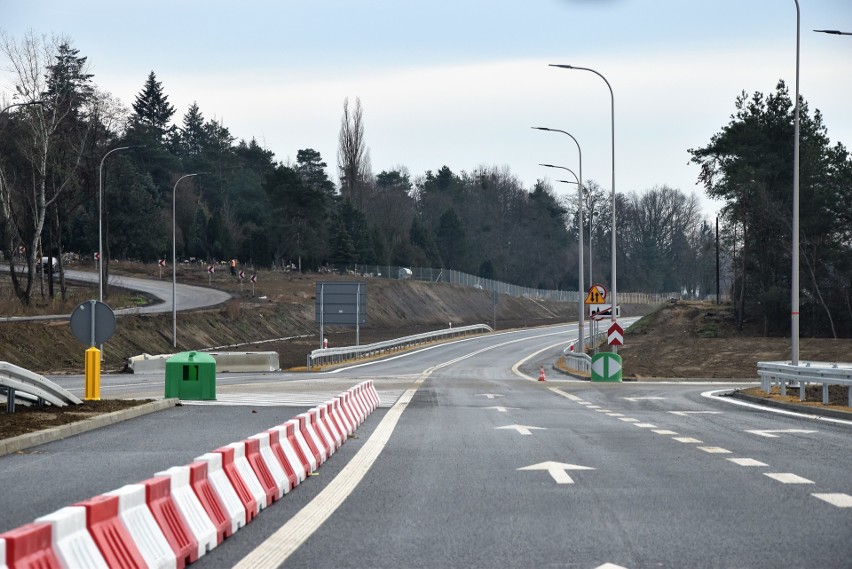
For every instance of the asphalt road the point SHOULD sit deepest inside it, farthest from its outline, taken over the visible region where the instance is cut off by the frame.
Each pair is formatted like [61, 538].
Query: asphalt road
[187, 297]
[444, 474]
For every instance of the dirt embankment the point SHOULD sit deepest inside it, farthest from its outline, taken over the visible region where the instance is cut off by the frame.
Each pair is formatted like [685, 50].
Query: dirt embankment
[283, 307]
[700, 340]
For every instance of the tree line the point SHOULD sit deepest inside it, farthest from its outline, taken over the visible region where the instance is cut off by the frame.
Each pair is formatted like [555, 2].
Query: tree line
[250, 206]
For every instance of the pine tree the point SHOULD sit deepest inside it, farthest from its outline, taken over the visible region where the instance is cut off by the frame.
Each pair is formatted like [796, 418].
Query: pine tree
[152, 107]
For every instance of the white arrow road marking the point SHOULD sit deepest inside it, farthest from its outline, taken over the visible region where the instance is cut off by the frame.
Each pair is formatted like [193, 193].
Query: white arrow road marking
[771, 433]
[557, 470]
[523, 429]
[499, 408]
[839, 500]
[685, 413]
[642, 398]
[788, 478]
[490, 395]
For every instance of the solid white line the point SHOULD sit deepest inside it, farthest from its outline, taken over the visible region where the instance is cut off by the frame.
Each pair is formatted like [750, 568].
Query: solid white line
[839, 500]
[713, 395]
[747, 462]
[788, 478]
[289, 537]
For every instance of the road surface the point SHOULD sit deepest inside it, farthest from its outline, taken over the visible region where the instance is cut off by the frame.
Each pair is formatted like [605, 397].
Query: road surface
[469, 464]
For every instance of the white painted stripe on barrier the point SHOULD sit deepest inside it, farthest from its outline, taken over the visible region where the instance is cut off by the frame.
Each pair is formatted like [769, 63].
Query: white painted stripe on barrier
[225, 490]
[338, 407]
[323, 431]
[143, 528]
[303, 444]
[377, 401]
[72, 543]
[315, 437]
[248, 475]
[357, 405]
[352, 408]
[331, 424]
[271, 461]
[3, 554]
[199, 523]
[290, 453]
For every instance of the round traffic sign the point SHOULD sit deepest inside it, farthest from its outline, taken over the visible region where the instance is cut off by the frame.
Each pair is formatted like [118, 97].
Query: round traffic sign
[93, 323]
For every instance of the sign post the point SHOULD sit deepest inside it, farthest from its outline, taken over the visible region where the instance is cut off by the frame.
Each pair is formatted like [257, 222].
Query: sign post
[93, 323]
[210, 275]
[253, 281]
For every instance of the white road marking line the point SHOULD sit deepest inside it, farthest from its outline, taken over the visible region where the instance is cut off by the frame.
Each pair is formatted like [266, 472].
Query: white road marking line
[788, 478]
[687, 413]
[665, 432]
[604, 410]
[642, 398]
[770, 433]
[500, 408]
[570, 396]
[616, 414]
[279, 546]
[581, 402]
[522, 429]
[688, 440]
[645, 425]
[747, 462]
[490, 395]
[839, 500]
[713, 395]
[628, 419]
[715, 450]
[610, 566]
[595, 407]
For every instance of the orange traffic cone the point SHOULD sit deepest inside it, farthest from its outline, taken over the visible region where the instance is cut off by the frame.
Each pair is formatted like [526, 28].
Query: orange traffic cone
[541, 374]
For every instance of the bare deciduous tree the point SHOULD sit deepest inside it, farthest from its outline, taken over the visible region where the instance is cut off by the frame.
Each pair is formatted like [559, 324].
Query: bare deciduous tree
[353, 156]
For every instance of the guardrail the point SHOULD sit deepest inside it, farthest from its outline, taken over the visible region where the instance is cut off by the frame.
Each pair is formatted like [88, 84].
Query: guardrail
[582, 362]
[15, 378]
[329, 356]
[824, 373]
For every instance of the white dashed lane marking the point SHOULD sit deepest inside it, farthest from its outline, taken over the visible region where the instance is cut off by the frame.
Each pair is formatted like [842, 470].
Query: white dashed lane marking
[747, 462]
[645, 425]
[715, 450]
[664, 432]
[839, 500]
[788, 478]
[687, 440]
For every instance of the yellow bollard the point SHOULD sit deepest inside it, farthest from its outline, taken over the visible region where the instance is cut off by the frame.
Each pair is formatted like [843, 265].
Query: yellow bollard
[93, 374]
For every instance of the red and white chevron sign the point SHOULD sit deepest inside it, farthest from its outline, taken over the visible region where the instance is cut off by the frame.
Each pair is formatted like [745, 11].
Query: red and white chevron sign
[615, 335]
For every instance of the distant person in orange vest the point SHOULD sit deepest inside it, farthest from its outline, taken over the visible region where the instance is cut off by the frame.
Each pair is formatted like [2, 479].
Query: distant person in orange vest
[233, 264]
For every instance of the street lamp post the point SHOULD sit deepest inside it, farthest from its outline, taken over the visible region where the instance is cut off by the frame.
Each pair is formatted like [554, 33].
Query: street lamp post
[174, 258]
[613, 284]
[581, 341]
[794, 285]
[581, 344]
[101, 218]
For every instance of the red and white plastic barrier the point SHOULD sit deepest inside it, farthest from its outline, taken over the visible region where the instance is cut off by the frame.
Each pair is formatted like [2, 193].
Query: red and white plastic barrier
[143, 528]
[172, 519]
[70, 539]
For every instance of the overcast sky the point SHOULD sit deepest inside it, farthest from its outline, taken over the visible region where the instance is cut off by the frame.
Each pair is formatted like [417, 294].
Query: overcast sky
[460, 83]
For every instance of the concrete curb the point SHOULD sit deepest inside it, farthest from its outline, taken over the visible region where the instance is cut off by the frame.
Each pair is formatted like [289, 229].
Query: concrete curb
[807, 409]
[8, 446]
